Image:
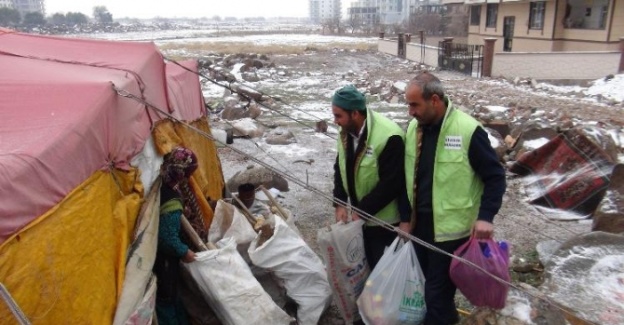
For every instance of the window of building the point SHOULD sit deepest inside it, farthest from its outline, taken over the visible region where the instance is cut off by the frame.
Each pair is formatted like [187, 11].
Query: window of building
[475, 15]
[492, 12]
[582, 14]
[536, 15]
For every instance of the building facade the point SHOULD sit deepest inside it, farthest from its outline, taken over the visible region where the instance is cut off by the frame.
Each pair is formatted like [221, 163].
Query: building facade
[25, 6]
[384, 12]
[548, 25]
[324, 10]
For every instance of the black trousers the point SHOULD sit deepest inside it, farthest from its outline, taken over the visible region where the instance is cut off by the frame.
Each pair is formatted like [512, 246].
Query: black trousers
[439, 289]
[376, 239]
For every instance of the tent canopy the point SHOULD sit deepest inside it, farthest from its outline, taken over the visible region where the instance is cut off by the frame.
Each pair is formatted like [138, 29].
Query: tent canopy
[62, 120]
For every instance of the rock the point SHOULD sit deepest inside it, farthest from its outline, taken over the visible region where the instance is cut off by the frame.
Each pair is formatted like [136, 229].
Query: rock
[521, 265]
[280, 136]
[250, 76]
[585, 275]
[545, 249]
[247, 127]
[204, 63]
[258, 176]
[502, 127]
[609, 216]
[603, 139]
[254, 110]
[222, 75]
[533, 131]
[534, 84]
[399, 87]
[245, 91]
[234, 113]
[609, 77]
[510, 142]
[321, 126]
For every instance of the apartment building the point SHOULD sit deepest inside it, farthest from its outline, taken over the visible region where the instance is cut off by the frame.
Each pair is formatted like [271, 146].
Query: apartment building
[385, 12]
[547, 25]
[324, 10]
[6, 3]
[365, 11]
[25, 6]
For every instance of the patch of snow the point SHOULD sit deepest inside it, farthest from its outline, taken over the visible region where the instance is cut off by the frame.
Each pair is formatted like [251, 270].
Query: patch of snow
[290, 150]
[534, 144]
[493, 108]
[612, 89]
[518, 307]
[236, 71]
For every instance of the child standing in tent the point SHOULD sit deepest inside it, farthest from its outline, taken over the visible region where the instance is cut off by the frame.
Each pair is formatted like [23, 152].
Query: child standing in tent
[176, 200]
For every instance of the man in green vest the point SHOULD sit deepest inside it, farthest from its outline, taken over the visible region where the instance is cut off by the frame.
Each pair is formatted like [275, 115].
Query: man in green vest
[455, 185]
[368, 172]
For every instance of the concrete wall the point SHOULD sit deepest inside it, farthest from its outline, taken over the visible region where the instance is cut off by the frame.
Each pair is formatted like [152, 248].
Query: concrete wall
[414, 52]
[556, 65]
[388, 46]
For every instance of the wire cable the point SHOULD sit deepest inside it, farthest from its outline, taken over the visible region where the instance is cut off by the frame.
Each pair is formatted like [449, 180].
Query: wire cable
[364, 215]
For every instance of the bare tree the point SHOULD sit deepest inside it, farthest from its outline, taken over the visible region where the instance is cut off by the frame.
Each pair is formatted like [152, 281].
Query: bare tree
[354, 22]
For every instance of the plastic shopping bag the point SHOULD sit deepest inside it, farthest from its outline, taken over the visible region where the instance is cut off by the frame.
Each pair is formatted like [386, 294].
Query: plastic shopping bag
[342, 248]
[395, 291]
[478, 287]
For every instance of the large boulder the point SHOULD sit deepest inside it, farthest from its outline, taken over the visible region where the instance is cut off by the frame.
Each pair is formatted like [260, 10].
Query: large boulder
[257, 176]
[609, 216]
[247, 128]
[585, 276]
[247, 92]
[280, 136]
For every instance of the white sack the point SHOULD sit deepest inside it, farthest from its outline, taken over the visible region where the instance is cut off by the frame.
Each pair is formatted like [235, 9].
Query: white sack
[303, 273]
[228, 286]
[229, 222]
[342, 248]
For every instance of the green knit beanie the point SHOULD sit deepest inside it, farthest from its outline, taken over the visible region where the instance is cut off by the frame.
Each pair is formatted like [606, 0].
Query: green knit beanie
[349, 98]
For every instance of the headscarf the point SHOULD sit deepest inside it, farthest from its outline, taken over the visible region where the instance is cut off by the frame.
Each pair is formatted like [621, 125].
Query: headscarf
[178, 166]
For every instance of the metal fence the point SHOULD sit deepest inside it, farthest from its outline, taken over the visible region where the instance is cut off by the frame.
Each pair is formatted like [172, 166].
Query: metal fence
[464, 58]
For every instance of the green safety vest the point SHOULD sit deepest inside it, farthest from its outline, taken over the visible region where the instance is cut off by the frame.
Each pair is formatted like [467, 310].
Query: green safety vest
[366, 174]
[457, 189]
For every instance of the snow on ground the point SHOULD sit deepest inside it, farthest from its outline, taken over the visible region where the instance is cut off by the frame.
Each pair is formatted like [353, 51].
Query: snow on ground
[309, 95]
[611, 89]
[278, 39]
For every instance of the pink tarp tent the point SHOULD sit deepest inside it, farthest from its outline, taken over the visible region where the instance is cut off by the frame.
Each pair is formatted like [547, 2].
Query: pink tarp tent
[62, 120]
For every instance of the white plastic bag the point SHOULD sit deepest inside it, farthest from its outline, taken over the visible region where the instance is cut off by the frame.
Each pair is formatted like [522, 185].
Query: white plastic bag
[231, 290]
[342, 248]
[291, 260]
[229, 222]
[395, 291]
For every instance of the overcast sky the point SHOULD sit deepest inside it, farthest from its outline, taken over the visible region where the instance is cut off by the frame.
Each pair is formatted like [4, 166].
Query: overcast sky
[185, 8]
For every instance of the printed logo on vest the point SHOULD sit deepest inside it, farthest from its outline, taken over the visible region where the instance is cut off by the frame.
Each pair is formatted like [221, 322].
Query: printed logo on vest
[453, 142]
[369, 151]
